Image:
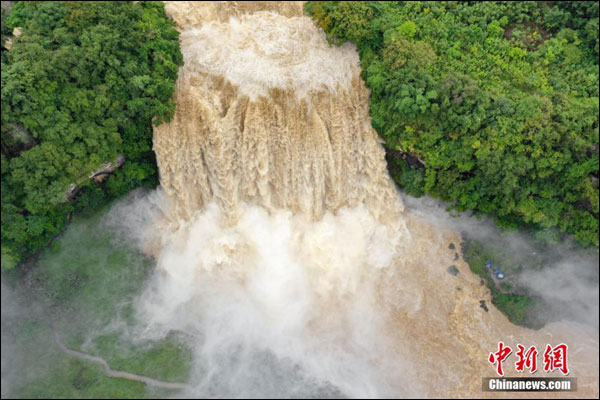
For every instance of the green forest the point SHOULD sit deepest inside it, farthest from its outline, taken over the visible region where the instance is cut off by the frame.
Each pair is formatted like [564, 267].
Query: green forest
[252, 276]
[492, 106]
[82, 84]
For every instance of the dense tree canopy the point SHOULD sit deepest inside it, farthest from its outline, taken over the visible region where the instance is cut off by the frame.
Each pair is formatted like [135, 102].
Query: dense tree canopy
[499, 100]
[81, 86]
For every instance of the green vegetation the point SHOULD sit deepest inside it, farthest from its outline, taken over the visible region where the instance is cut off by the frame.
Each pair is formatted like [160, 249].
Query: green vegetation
[86, 284]
[521, 307]
[498, 101]
[81, 86]
[53, 374]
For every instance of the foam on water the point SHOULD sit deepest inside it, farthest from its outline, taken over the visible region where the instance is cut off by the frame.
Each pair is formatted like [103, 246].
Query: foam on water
[284, 250]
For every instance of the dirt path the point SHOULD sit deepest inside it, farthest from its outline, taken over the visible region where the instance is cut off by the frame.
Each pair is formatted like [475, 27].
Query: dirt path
[115, 373]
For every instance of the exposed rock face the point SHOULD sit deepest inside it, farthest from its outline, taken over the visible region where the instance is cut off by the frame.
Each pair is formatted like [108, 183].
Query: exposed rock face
[98, 175]
[108, 168]
[453, 270]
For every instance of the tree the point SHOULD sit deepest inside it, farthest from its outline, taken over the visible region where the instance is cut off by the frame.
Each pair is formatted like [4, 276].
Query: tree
[80, 86]
[498, 99]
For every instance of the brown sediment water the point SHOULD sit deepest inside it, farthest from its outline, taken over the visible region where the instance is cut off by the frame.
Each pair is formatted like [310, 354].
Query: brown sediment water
[287, 233]
[269, 113]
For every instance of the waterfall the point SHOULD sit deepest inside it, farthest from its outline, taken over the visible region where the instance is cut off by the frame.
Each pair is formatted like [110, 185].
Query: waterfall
[269, 114]
[286, 252]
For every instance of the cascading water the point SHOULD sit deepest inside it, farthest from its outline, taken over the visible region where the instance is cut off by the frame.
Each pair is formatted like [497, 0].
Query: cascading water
[269, 114]
[285, 251]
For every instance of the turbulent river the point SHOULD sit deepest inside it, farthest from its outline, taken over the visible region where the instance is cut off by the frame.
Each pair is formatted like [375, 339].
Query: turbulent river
[284, 248]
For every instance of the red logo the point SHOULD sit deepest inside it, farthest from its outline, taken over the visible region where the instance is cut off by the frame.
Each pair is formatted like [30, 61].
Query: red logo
[555, 358]
[499, 356]
[527, 359]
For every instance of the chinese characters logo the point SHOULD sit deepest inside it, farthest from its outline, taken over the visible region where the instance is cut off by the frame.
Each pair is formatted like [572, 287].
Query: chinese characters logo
[554, 358]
